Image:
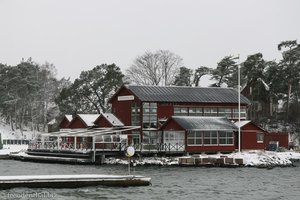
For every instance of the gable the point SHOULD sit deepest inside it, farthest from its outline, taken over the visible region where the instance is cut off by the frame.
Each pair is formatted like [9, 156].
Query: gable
[77, 123]
[64, 123]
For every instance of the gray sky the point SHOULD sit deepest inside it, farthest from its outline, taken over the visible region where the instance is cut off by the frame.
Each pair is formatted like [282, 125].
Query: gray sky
[77, 35]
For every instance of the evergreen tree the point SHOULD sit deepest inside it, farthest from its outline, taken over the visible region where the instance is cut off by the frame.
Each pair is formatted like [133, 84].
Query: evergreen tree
[90, 92]
[184, 77]
[224, 70]
[199, 72]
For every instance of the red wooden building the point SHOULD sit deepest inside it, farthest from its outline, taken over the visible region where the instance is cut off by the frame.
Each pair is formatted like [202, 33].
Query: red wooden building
[65, 121]
[252, 136]
[197, 134]
[151, 106]
[180, 119]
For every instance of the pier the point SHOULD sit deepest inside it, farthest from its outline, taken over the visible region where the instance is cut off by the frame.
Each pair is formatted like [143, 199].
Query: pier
[72, 181]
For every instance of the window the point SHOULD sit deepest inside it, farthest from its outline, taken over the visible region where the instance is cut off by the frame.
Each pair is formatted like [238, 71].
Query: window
[135, 114]
[174, 137]
[195, 111]
[180, 111]
[195, 138]
[225, 112]
[150, 115]
[210, 112]
[236, 113]
[225, 137]
[135, 137]
[151, 137]
[260, 137]
[210, 137]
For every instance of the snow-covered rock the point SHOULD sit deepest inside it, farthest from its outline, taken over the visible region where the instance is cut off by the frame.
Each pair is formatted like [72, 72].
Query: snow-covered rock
[250, 159]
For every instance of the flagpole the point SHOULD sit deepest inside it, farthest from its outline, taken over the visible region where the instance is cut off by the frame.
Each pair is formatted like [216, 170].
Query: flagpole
[239, 105]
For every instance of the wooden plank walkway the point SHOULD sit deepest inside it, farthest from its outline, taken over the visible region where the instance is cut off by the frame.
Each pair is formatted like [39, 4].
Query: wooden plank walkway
[72, 181]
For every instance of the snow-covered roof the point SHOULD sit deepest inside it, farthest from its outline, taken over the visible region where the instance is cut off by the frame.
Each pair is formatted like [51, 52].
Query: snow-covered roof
[204, 123]
[112, 119]
[53, 121]
[69, 117]
[242, 123]
[89, 119]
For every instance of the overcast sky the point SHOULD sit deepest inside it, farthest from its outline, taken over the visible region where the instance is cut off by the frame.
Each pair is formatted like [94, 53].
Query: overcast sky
[77, 35]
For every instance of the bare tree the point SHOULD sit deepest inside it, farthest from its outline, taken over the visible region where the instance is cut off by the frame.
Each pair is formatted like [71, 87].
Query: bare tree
[159, 68]
[170, 64]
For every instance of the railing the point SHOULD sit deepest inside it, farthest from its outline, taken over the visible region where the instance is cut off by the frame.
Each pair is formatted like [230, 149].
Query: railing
[53, 145]
[106, 146]
[110, 146]
[15, 142]
[165, 147]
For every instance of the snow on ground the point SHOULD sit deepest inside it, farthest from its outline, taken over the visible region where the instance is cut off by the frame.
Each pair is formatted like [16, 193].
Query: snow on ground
[161, 161]
[250, 159]
[7, 133]
[266, 158]
[8, 149]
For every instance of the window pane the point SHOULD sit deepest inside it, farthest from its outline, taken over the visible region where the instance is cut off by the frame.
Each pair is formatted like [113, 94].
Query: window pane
[222, 134]
[206, 134]
[206, 141]
[198, 141]
[190, 141]
[214, 141]
[198, 134]
[222, 141]
[214, 134]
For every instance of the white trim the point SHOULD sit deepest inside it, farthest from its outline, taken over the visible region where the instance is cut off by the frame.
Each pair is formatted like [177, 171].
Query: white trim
[126, 98]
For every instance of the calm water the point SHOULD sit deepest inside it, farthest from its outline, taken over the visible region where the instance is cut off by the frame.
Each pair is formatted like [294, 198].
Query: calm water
[167, 182]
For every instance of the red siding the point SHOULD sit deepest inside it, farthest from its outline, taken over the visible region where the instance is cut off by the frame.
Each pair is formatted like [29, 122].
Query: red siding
[199, 149]
[122, 109]
[77, 123]
[165, 111]
[248, 137]
[282, 138]
[102, 122]
[172, 125]
[64, 123]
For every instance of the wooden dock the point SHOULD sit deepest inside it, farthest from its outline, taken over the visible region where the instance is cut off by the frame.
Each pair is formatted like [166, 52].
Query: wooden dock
[72, 181]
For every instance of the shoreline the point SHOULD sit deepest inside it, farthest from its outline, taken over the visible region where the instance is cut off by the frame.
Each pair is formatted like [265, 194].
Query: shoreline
[251, 158]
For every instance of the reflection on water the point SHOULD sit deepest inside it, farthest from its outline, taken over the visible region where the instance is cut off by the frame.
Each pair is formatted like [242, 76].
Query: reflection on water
[167, 182]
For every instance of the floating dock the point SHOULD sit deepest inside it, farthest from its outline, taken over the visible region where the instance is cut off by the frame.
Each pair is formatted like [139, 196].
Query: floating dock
[49, 159]
[72, 181]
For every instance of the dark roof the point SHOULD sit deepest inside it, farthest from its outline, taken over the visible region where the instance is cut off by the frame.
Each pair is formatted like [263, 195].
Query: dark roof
[204, 123]
[186, 94]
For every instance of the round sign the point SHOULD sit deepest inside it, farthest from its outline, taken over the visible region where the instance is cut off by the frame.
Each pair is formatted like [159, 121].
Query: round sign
[130, 151]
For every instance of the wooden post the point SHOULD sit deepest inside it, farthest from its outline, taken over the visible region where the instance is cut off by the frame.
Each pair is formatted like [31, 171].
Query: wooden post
[75, 142]
[94, 150]
[58, 142]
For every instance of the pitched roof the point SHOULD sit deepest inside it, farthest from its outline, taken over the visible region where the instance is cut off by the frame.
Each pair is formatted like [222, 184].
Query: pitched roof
[69, 117]
[89, 119]
[111, 118]
[242, 123]
[204, 123]
[186, 94]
